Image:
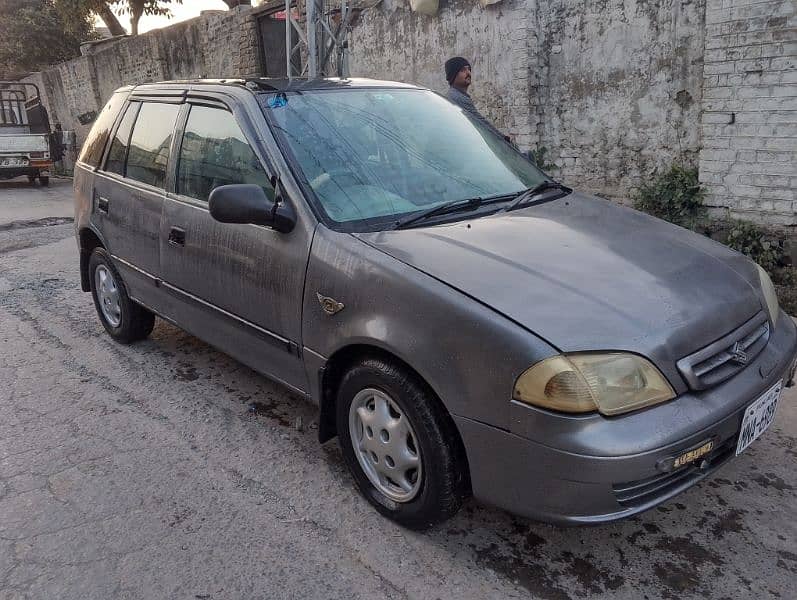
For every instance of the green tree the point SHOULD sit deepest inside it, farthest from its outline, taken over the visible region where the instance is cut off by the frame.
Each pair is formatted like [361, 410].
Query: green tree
[105, 9]
[137, 8]
[33, 36]
[77, 11]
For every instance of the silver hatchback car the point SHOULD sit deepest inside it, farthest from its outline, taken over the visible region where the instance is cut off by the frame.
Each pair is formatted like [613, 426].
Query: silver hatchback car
[466, 324]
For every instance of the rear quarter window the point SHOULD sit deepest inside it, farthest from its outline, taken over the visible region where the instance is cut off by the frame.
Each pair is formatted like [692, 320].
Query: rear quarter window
[91, 153]
[117, 155]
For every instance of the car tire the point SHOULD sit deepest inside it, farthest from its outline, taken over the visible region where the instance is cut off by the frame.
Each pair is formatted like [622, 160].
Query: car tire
[124, 320]
[44, 181]
[32, 179]
[440, 483]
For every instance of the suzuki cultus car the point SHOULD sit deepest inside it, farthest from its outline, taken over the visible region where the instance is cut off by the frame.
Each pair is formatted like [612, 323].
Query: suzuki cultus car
[465, 324]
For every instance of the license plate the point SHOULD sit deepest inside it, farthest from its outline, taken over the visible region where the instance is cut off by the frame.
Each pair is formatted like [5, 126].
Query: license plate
[758, 417]
[14, 162]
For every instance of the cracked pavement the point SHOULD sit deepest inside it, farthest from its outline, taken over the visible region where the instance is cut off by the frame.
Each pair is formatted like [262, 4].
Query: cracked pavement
[165, 469]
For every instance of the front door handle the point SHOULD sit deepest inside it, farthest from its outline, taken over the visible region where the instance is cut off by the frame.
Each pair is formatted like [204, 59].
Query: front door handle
[177, 236]
[102, 205]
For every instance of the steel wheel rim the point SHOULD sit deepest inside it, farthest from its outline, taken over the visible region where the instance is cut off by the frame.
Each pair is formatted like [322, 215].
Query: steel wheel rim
[385, 445]
[108, 295]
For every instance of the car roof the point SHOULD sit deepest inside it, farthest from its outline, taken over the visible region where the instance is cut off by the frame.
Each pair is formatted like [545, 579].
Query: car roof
[273, 84]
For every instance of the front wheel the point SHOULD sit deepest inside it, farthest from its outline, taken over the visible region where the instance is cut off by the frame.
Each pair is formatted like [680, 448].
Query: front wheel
[124, 320]
[400, 445]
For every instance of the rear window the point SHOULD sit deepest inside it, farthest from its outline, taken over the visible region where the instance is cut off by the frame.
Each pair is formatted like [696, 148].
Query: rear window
[98, 136]
[12, 108]
[148, 154]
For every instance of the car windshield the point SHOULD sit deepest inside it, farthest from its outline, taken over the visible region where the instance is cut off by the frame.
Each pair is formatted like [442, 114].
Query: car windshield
[372, 156]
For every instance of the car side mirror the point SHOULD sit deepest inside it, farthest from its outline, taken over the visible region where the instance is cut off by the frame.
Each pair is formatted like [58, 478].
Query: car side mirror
[248, 203]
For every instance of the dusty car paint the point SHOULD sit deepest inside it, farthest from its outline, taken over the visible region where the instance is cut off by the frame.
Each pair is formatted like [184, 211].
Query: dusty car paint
[468, 305]
[412, 315]
[585, 273]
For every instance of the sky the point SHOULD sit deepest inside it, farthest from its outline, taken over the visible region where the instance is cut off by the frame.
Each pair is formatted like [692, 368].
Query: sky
[187, 10]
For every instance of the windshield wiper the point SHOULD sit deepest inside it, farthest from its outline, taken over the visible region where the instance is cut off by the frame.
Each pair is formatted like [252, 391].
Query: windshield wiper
[527, 195]
[442, 209]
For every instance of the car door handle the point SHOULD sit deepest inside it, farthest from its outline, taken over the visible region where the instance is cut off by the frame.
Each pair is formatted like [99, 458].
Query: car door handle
[177, 236]
[102, 205]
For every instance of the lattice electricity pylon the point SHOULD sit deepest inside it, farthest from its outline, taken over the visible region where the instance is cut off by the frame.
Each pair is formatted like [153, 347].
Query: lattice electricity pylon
[324, 35]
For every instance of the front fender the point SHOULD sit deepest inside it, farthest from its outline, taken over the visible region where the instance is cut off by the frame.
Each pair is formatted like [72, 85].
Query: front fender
[466, 352]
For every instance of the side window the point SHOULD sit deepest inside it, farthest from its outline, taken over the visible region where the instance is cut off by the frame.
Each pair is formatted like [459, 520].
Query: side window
[91, 153]
[215, 152]
[150, 142]
[115, 163]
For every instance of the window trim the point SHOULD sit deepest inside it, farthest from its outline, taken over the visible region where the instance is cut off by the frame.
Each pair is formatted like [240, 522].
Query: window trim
[174, 149]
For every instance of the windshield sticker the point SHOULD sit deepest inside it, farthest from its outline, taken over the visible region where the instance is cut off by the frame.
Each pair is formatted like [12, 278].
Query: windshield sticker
[278, 101]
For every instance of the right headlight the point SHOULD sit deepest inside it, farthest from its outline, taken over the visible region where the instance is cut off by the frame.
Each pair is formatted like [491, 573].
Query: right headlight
[609, 382]
[770, 295]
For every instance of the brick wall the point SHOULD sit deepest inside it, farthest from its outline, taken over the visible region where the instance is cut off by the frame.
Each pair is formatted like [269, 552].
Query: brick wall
[620, 95]
[611, 88]
[392, 42]
[748, 162]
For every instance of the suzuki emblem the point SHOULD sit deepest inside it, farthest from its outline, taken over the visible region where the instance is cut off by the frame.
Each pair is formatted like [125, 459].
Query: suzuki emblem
[738, 355]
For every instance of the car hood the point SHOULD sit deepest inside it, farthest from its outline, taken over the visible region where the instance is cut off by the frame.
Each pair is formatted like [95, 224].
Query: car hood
[586, 274]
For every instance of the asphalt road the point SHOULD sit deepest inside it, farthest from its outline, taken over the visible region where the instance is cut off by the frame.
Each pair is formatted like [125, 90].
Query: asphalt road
[167, 470]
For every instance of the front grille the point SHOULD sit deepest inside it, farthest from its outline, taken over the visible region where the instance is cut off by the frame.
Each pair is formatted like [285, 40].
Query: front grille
[643, 491]
[724, 358]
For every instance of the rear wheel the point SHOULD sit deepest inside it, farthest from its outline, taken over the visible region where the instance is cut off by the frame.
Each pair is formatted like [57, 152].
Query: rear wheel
[124, 320]
[32, 179]
[44, 181]
[400, 445]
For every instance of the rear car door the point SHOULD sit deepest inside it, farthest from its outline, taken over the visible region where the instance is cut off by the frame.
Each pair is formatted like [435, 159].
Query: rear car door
[130, 189]
[240, 286]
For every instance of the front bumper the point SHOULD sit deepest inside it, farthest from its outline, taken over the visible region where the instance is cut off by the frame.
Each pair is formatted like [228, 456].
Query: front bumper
[604, 469]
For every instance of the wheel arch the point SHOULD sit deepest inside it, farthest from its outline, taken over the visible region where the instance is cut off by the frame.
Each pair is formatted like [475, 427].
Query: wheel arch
[340, 362]
[88, 240]
[330, 375]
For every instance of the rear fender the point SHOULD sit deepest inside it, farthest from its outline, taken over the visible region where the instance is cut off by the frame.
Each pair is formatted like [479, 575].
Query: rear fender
[88, 239]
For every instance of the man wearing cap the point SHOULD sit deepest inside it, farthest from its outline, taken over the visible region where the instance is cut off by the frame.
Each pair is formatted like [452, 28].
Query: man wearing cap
[458, 76]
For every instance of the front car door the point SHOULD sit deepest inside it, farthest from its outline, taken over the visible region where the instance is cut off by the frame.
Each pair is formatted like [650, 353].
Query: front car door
[240, 286]
[129, 192]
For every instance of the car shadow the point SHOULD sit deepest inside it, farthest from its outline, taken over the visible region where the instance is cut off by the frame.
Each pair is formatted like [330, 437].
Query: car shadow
[689, 546]
[13, 184]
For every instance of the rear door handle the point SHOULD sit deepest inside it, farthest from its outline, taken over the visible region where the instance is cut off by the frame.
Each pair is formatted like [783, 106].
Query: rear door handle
[177, 236]
[102, 205]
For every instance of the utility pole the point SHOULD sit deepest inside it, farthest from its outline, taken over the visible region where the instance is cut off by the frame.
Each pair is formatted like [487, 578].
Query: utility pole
[324, 34]
[313, 16]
